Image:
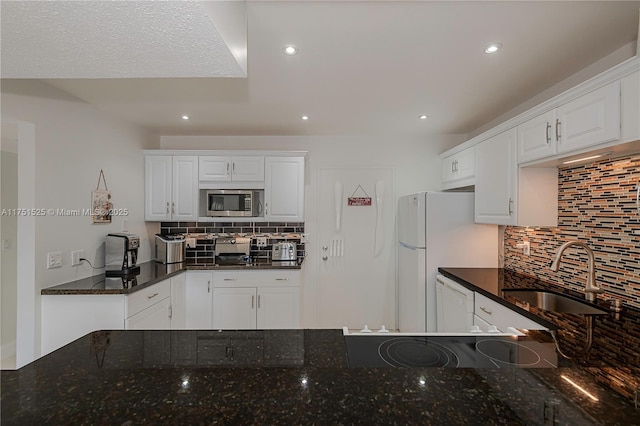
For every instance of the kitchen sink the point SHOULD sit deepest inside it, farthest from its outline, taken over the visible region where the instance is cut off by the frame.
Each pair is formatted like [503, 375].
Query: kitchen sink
[554, 302]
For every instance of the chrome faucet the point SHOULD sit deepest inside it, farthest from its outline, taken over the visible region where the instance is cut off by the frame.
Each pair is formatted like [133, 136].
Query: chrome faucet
[590, 288]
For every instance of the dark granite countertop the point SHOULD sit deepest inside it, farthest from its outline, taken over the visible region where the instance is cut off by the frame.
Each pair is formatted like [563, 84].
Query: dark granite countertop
[491, 282]
[151, 273]
[283, 377]
[614, 358]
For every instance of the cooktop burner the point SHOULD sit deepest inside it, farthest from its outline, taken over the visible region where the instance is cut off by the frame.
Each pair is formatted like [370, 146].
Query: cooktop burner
[416, 352]
[504, 352]
[405, 351]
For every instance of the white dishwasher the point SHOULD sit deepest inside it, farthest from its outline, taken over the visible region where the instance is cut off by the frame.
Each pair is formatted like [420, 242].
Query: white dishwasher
[454, 306]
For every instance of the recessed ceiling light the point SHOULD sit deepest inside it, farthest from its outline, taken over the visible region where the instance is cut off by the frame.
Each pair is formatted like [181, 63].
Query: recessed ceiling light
[305, 117]
[423, 117]
[290, 50]
[185, 117]
[493, 48]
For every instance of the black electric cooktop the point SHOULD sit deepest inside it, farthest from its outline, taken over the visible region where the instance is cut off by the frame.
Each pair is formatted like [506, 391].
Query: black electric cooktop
[448, 351]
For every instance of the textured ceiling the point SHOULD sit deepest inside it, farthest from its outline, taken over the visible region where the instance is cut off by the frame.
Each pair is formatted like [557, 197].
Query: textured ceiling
[364, 67]
[112, 39]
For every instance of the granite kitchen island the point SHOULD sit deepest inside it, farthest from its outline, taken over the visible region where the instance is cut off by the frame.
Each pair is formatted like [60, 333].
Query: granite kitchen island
[283, 377]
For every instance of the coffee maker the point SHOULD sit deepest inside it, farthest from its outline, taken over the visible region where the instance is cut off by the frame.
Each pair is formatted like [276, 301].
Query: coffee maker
[121, 254]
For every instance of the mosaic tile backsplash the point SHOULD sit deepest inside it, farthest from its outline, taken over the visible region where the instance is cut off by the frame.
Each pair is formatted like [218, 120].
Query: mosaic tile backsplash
[206, 232]
[597, 205]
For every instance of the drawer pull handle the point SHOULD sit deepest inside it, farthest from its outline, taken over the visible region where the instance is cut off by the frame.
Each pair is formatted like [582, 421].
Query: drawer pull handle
[487, 311]
[282, 279]
[152, 296]
[231, 279]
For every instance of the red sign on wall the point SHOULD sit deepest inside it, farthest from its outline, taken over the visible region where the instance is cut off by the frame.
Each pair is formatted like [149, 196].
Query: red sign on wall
[359, 201]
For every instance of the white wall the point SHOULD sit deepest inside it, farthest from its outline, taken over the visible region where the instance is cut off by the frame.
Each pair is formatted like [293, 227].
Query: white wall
[73, 141]
[414, 161]
[8, 251]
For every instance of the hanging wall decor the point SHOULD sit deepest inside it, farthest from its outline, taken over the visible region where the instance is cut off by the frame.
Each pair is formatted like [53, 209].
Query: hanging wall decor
[101, 203]
[359, 201]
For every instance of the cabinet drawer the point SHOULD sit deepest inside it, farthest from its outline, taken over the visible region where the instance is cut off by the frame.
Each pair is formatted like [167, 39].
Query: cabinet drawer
[147, 297]
[501, 316]
[280, 278]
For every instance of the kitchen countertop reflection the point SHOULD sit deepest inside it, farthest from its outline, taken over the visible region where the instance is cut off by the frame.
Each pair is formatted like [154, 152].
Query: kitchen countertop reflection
[282, 377]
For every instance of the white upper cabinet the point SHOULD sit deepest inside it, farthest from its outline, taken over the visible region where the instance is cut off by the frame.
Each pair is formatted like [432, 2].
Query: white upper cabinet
[157, 187]
[231, 168]
[496, 179]
[508, 195]
[171, 187]
[284, 189]
[589, 120]
[185, 188]
[630, 90]
[536, 137]
[458, 169]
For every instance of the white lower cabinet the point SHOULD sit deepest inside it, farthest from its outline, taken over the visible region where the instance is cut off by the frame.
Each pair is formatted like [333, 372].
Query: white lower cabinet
[234, 308]
[149, 308]
[256, 299]
[493, 313]
[155, 317]
[482, 324]
[198, 300]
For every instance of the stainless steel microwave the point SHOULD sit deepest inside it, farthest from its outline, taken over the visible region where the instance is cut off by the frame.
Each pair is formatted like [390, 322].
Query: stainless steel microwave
[233, 203]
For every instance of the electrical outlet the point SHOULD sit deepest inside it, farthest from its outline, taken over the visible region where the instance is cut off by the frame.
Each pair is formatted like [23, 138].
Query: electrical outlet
[54, 259]
[526, 248]
[75, 257]
[304, 238]
[261, 241]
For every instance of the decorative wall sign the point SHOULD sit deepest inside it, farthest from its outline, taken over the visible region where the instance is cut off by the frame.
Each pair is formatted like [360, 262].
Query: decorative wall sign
[359, 201]
[101, 204]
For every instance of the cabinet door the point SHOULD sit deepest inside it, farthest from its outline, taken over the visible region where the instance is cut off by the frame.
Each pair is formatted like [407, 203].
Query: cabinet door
[449, 168]
[156, 317]
[501, 316]
[466, 163]
[459, 166]
[199, 300]
[284, 188]
[496, 179]
[157, 187]
[591, 119]
[537, 137]
[278, 307]
[247, 169]
[234, 308]
[454, 306]
[213, 168]
[178, 302]
[185, 188]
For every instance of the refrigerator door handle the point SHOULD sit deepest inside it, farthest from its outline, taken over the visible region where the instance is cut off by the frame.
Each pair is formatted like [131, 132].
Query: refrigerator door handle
[410, 247]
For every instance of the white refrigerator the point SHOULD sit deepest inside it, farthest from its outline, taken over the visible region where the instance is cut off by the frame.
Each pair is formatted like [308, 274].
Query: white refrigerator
[436, 229]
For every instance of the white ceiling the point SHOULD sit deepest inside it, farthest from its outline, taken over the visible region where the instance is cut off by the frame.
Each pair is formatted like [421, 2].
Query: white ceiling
[365, 67]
